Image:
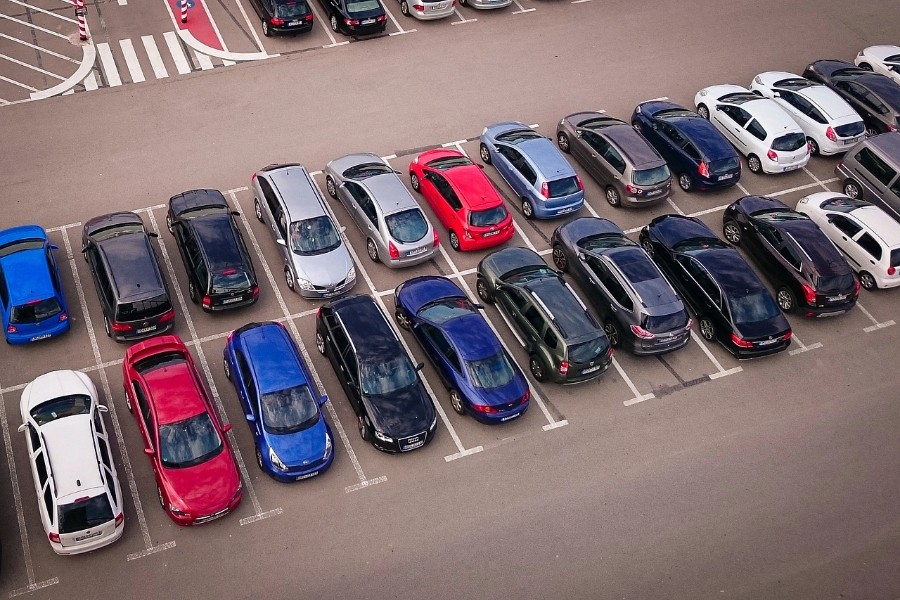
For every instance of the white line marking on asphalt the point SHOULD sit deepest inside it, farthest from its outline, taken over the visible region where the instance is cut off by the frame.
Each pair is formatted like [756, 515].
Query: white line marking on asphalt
[335, 44]
[816, 179]
[228, 63]
[638, 397]
[16, 83]
[34, 586]
[90, 82]
[41, 10]
[803, 347]
[109, 65]
[260, 516]
[40, 49]
[131, 61]
[579, 1]
[722, 372]
[203, 60]
[149, 551]
[156, 61]
[325, 26]
[122, 2]
[675, 206]
[4, 102]
[181, 63]
[522, 9]
[741, 187]
[365, 484]
[462, 19]
[250, 26]
[214, 26]
[401, 32]
[396, 23]
[28, 25]
[591, 210]
[875, 324]
[31, 67]
[389, 157]
[804, 187]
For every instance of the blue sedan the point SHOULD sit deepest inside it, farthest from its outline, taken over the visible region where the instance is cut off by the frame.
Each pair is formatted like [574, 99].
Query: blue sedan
[280, 402]
[482, 378]
[31, 296]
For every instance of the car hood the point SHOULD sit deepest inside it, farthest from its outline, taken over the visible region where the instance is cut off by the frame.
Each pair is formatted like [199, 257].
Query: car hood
[403, 413]
[300, 448]
[205, 488]
[324, 270]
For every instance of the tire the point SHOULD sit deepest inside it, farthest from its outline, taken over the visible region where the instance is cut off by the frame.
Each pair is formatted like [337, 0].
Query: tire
[786, 301]
[128, 403]
[527, 209]
[867, 280]
[813, 146]
[481, 288]
[226, 368]
[754, 164]
[362, 424]
[320, 343]
[485, 154]
[330, 187]
[647, 245]
[537, 369]
[334, 24]
[562, 140]
[414, 182]
[169, 224]
[732, 232]
[404, 8]
[707, 329]
[612, 332]
[372, 250]
[265, 28]
[612, 197]
[402, 319]
[685, 182]
[865, 66]
[259, 462]
[560, 259]
[871, 131]
[289, 278]
[192, 292]
[257, 209]
[703, 111]
[457, 403]
[454, 240]
[852, 190]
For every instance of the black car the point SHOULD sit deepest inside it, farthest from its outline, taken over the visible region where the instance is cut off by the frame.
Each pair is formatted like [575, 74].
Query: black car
[875, 97]
[220, 272]
[356, 17]
[698, 155]
[393, 409]
[809, 273]
[283, 16]
[731, 303]
[639, 308]
[133, 295]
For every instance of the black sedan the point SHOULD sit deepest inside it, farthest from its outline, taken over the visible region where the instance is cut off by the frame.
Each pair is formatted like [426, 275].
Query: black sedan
[283, 16]
[731, 303]
[810, 275]
[875, 97]
[356, 17]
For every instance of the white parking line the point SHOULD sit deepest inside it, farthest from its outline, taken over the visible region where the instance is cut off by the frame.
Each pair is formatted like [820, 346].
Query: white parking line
[131, 61]
[109, 65]
[720, 370]
[675, 206]
[816, 179]
[638, 397]
[804, 187]
[363, 482]
[181, 63]
[396, 23]
[803, 347]
[250, 26]
[28, 25]
[41, 10]
[876, 325]
[40, 48]
[462, 19]
[522, 9]
[741, 187]
[17, 83]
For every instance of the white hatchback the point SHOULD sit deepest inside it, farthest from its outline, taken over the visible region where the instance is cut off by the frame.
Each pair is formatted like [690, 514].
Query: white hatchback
[880, 59]
[829, 122]
[756, 126]
[79, 498]
[865, 234]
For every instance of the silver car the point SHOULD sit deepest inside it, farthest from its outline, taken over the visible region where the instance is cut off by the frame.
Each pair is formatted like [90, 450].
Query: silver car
[485, 4]
[317, 264]
[397, 231]
[427, 10]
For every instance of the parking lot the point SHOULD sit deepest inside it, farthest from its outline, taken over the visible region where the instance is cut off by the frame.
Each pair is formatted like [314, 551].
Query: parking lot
[659, 454]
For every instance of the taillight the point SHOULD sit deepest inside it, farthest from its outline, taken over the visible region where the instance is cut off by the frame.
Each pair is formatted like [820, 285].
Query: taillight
[891, 270]
[856, 286]
[351, 22]
[54, 537]
[891, 127]
[318, 312]
[380, 19]
[256, 291]
[120, 327]
[207, 301]
[773, 156]
[690, 324]
[276, 21]
[829, 133]
[437, 240]
[253, 177]
[642, 333]
[308, 17]
[392, 250]
[633, 190]
[545, 190]
[63, 316]
[788, 335]
[11, 329]
[120, 518]
[580, 185]
[419, 7]
[703, 169]
[526, 397]
[484, 408]
[809, 294]
[564, 367]
[740, 342]
[167, 316]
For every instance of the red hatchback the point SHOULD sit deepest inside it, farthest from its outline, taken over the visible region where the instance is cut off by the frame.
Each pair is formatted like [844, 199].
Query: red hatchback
[196, 476]
[463, 198]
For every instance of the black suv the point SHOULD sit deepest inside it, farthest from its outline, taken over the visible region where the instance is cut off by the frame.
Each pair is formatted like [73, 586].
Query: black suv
[283, 16]
[809, 273]
[133, 294]
[220, 272]
[564, 341]
[393, 409]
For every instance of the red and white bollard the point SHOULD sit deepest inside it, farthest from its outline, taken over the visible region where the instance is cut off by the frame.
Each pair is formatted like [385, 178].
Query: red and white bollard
[184, 11]
[80, 14]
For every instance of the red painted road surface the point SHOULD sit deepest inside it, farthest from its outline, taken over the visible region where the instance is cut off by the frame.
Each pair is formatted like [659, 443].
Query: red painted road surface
[199, 23]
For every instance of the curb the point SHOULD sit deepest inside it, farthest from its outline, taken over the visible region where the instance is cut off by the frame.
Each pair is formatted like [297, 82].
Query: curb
[188, 38]
[87, 63]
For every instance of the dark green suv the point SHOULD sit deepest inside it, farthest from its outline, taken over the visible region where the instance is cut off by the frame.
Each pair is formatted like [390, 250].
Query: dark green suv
[565, 343]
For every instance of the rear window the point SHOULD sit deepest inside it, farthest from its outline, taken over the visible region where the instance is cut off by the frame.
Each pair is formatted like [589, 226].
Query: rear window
[492, 372]
[753, 308]
[587, 351]
[289, 411]
[355, 6]
[723, 164]
[562, 187]
[789, 142]
[487, 218]
[407, 226]
[837, 283]
[66, 406]
[189, 442]
[35, 311]
[230, 280]
[895, 257]
[159, 361]
[664, 323]
[652, 176]
[291, 10]
[850, 129]
[144, 309]
[84, 513]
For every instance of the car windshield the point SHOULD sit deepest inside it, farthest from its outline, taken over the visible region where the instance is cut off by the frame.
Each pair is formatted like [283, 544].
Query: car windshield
[35, 311]
[789, 142]
[699, 244]
[448, 162]
[518, 135]
[652, 176]
[364, 171]
[794, 83]
[290, 410]
[753, 308]
[407, 226]
[844, 204]
[664, 323]
[13, 247]
[380, 378]
[588, 351]
[116, 230]
[492, 372]
[527, 274]
[230, 280]
[143, 309]
[188, 442]
[314, 236]
[291, 10]
[65, 406]
[159, 361]
[356, 6]
[85, 513]
[562, 187]
[487, 218]
[446, 309]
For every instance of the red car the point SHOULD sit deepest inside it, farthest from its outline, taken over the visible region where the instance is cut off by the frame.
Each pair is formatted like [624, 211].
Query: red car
[196, 476]
[463, 198]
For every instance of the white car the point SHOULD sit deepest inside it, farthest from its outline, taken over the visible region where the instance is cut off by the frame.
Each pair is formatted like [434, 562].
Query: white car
[427, 10]
[78, 493]
[756, 126]
[865, 234]
[829, 122]
[880, 59]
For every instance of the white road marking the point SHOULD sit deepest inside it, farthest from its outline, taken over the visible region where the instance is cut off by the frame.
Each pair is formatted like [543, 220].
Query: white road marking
[181, 63]
[522, 9]
[401, 32]
[203, 60]
[228, 63]
[46, 12]
[17, 83]
[804, 187]
[131, 61]
[28, 25]
[816, 179]
[638, 397]
[875, 324]
[579, 1]
[90, 82]
[741, 187]
[721, 371]
[156, 61]
[214, 26]
[396, 23]
[40, 48]
[675, 206]
[462, 19]
[109, 65]
[31, 67]
[803, 347]
[250, 26]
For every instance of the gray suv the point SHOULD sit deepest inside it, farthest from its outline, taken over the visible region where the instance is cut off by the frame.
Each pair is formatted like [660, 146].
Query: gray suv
[871, 171]
[317, 264]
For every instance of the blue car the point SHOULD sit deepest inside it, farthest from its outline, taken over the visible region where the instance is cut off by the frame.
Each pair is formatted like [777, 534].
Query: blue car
[543, 180]
[482, 378]
[31, 296]
[697, 154]
[280, 402]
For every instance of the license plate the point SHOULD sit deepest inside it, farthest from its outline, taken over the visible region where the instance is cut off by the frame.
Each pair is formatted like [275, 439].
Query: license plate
[511, 417]
[307, 476]
[850, 141]
[418, 251]
[791, 168]
[591, 369]
[832, 314]
[232, 300]
[368, 21]
[568, 210]
[654, 192]
[43, 336]
[293, 23]
[412, 446]
[766, 342]
[81, 538]
[490, 233]
[837, 298]
[438, 6]
[724, 177]
[146, 329]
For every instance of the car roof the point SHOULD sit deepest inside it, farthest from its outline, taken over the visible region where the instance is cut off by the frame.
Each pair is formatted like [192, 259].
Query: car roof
[546, 158]
[132, 266]
[28, 276]
[272, 357]
[884, 86]
[879, 223]
[882, 51]
[730, 270]
[887, 143]
[704, 135]
[389, 193]
[826, 257]
[474, 188]
[652, 291]
[370, 333]
[472, 336]
[69, 443]
[633, 144]
[218, 241]
[174, 391]
[300, 199]
[193, 199]
[567, 311]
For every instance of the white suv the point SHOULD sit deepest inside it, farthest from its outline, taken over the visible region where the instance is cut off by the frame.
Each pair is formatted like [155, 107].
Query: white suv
[865, 234]
[79, 498]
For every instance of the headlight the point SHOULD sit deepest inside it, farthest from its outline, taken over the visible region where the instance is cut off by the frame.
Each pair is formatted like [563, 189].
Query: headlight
[175, 511]
[327, 447]
[276, 462]
[303, 284]
[351, 274]
[383, 437]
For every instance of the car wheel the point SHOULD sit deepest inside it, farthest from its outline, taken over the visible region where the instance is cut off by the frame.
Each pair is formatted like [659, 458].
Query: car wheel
[707, 329]
[560, 259]
[871, 131]
[867, 280]
[334, 24]
[227, 368]
[289, 278]
[265, 28]
[647, 245]
[330, 187]
[160, 497]
[404, 7]
[813, 146]
[169, 224]
[732, 232]
[402, 319]
[257, 210]
[454, 240]
[192, 292]
[414, 182]
[527, 209]
[685, 182]
[636, 125]
[703, 111]
[563, 141]
[485, 154]
[852, 189]
[372, 250]
[259, 459]
[320, 343]
[865, 66]
[107, 327]
[362, 424]
[785, 298]
[483, 291]
[612, 197]
[754, 164]
[457, 403]
[537, 369]
[128, 403]
[612, 332]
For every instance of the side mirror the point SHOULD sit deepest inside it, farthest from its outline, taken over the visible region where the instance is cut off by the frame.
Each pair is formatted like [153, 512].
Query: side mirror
[343, 228]
[397, 172]
[54, 247]
[226, 427]
[153, 234]
[479, 306]
[718, 107]
[84, 249]
[420, 366]
[22, 427]
[323, 399]
[250, 418]
[149, 451]
[581, 256]
[578, 132]
[102, 408]
[235, 213]
[776, 95]
[281, 241]
[480, 166]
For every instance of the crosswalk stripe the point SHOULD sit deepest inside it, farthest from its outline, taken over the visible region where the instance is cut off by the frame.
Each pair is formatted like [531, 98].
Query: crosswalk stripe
[159, 68]
[90, 82]
[227, 63]
[131, 60]
[175, 50]
[108, 64]
[203, 60]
